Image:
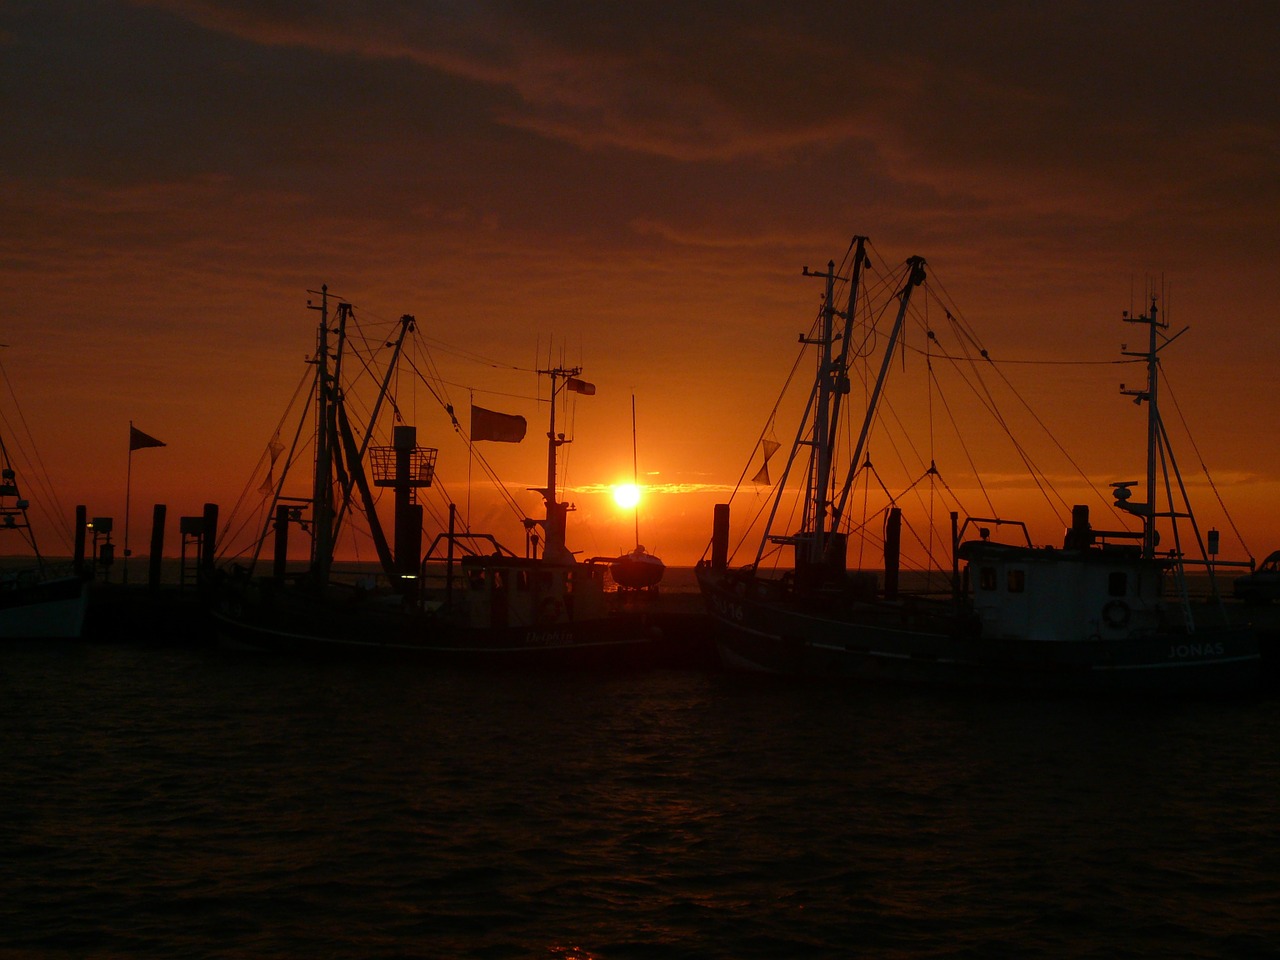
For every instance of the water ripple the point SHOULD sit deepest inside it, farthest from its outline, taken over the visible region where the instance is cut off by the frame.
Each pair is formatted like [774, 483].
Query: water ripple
[188, 803]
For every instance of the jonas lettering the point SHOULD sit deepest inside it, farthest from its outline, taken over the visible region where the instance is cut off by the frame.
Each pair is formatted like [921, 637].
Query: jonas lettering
[1184, 651]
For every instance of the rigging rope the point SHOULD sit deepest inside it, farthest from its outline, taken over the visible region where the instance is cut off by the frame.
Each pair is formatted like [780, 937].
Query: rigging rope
[1203, 466]
[49, 503]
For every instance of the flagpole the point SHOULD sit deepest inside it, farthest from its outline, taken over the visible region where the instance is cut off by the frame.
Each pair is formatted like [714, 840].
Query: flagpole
[471, 458]
[635, 469]
[128, 488]
[137, 440]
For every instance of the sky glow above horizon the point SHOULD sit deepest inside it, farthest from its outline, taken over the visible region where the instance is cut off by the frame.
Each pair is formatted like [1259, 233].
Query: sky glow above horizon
[633, 189]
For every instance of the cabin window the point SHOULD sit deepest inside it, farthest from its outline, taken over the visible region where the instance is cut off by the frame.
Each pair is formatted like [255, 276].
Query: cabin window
[987, 578]
[1117, 584]
[1017, 581]
[522, 580]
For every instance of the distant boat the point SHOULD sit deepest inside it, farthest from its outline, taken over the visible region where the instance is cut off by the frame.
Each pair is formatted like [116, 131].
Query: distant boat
[38, 599]
[468, 597]
[1103, 611]
[636, 569]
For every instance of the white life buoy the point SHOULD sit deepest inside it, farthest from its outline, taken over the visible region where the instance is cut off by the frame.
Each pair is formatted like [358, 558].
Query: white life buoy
[550, 609]
[1116, 614]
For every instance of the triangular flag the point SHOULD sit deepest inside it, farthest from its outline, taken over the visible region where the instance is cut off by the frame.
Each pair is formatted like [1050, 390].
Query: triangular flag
[138, 439]
[762, 475]
[268, 486]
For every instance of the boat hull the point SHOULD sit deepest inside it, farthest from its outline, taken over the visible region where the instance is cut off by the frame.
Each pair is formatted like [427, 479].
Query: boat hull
[53, 609]
[929, 648]
[637, 572]
[627, 640]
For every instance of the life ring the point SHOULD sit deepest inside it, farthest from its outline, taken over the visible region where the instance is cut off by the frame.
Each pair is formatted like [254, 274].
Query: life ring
[550, 609]
[1116, 614]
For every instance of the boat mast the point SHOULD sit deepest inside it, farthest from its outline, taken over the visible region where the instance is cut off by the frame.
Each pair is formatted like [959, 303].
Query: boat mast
[1153, 426]
[635, 469]
[915, 277]
[818, 490]
[822, 512]
[833, 383]
[322, 485]
[553, 547]
[841, 371]
[407, 323]
[553, 442]
[1147, 511]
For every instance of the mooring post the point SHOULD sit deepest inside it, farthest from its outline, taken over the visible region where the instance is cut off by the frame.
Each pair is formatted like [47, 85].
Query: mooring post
[157, 547]
[82, 523]
[280, 557]
[208, 542]
[720, 537]
[892, 552]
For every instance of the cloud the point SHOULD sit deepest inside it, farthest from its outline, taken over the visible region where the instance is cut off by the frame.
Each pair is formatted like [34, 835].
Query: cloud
[605, 489]
[590, 89]
[940, 116]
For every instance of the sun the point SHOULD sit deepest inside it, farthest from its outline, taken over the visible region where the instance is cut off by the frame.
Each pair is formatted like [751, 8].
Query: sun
[626, 495]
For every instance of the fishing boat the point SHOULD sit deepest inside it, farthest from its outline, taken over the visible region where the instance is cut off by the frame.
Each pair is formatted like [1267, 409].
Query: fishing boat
[637, 569]
[468, 597]
[36, 601]
[499, 607]
[1103, 610]
[38, 598]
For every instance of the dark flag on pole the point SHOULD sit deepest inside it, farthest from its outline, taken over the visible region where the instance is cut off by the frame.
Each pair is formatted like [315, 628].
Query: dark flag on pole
[138, 439]
[491, 425]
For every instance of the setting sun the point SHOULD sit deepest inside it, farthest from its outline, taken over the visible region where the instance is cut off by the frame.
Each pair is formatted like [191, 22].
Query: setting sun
[626, 495]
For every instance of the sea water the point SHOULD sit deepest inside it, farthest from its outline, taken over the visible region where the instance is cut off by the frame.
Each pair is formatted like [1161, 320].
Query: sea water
[182, 801]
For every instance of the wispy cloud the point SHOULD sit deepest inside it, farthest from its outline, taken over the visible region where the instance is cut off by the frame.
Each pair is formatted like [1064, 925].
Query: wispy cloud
[653, 489]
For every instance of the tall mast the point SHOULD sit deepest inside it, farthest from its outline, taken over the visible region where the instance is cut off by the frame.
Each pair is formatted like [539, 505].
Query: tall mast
[818, 491]
[915, 277]
[406, 326]
[635, 468]
[322, 486]
[553, 442]
[821, 517]
[841, 370]
[554, 549]
[1147, 511]
[1153, 431]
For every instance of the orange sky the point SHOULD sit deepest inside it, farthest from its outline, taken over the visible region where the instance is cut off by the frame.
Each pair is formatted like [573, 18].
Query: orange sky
[638, 185]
